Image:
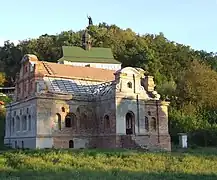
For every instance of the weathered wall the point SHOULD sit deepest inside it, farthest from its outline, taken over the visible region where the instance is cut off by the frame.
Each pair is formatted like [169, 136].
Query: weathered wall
[159, 111]
[14, 118]
[150, 115]
[47, 122]
[106, 121]
[91, 129]
[26, 79]
[44, 142]
[24, 142]
[155, 135]
[83, 127]
[123, 106]
[130, 97]
[79, 142]
[106, 114]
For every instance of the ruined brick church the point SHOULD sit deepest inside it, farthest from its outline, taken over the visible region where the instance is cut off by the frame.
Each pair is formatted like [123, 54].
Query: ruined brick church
[86, 100]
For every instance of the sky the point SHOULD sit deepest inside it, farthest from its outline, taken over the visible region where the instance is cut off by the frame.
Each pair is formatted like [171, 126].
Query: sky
[190, 22]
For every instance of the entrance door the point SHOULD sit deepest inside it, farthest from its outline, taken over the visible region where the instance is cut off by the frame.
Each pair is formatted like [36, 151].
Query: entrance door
[71, 144]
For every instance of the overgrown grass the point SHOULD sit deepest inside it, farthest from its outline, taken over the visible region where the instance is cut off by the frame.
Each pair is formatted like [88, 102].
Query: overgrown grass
[99, 164]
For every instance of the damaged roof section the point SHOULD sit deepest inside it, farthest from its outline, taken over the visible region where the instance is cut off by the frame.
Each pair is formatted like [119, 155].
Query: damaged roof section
[77, 87]
[78, 72]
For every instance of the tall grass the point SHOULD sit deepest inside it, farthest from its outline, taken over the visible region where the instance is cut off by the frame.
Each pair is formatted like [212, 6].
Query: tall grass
[95, 164]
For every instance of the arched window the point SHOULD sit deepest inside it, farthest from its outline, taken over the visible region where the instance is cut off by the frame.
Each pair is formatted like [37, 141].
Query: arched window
[63, 109]
[146, 124]
[70, 120]
[83, 121]
[106, 122]
[17, 123]
[149, 113]
[130, 123]
[71, 144]
[29, 123]
[58, 120]
[129, 85]
[13, 125]
[153, 123]
[24, 123]
[78, 110]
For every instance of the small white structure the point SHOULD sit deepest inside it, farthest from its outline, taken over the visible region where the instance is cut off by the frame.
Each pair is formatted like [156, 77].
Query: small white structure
[183, 140]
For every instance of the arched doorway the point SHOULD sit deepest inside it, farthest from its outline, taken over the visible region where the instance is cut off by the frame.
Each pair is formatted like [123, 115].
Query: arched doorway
[71, 144]
[130, 123]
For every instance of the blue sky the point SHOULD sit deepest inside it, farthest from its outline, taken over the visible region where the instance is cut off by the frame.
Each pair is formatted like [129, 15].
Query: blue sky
[191, 22]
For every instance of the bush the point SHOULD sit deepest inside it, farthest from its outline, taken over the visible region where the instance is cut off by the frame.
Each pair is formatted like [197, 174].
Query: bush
[181, 123]
[198, 127]
[204, 137]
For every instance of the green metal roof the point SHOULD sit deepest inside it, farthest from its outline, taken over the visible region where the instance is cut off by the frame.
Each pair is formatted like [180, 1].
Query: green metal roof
[94, 55]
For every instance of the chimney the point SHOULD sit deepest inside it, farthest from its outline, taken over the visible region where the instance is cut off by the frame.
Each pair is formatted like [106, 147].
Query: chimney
[148, 83]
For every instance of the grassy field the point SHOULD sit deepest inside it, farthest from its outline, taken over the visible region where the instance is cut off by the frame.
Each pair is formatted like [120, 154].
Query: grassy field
[99, 164]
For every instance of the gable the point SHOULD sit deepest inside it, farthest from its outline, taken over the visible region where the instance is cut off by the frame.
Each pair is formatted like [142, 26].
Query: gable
[129, 71]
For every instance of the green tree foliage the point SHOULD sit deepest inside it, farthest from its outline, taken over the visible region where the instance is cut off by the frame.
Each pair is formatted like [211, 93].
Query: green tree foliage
[198, 86]
[2, 78]
[185, 76]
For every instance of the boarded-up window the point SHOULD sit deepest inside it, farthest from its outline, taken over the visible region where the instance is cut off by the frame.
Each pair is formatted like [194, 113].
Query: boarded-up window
[17, 123]
[106, 122]
[58, 120]
[24, 123]
[129, 85]
[29, 123]
[70, 120]
[13, 125]
[153, 123]
[146, 124]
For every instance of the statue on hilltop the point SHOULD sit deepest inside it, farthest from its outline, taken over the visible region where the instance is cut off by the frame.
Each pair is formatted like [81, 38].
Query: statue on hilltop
[90, 21]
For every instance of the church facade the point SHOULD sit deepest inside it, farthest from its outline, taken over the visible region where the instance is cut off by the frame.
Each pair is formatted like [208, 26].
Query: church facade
[86, 100]
[66, 106]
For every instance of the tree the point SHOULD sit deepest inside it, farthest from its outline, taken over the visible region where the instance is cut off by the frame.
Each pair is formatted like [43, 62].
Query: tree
[198, 86]
[2, 78]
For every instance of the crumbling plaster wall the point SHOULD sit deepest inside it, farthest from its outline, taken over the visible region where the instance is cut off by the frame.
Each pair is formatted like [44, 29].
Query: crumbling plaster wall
[47, 125]
[106, 121]
[17, 110]
[83, 128]
[130, 97]
[133, 95]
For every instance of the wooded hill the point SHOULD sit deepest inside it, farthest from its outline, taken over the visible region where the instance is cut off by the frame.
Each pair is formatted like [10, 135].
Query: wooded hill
[185, 76]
